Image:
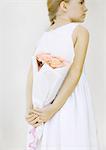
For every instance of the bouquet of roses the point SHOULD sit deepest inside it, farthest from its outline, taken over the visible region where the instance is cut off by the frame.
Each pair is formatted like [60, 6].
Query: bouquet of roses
[53, 61]
[51, 71]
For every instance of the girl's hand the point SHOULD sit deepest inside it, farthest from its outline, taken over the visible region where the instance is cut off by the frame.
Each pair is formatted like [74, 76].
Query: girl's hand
[32, 118]
[44, 114]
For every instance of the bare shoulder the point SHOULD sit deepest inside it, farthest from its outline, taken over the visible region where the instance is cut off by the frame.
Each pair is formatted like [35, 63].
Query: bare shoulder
[80, 32]
[81, 46]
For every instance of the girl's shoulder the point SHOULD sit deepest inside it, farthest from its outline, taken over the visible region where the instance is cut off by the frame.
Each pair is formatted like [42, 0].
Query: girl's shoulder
[80, 31]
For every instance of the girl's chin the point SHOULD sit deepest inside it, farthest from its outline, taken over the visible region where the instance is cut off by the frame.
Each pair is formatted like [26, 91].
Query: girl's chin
[82, 19]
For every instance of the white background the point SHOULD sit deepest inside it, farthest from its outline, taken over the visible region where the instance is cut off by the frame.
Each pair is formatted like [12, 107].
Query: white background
[22, 23]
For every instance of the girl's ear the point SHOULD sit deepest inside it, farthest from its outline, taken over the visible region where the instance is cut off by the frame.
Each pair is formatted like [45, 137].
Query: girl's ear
[64, 6]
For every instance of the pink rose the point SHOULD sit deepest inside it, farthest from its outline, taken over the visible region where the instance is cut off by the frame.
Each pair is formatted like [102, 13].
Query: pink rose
[53, 61]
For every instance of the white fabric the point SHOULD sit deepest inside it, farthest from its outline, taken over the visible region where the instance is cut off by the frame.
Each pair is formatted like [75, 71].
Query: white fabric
[73, 126]
[48, 81]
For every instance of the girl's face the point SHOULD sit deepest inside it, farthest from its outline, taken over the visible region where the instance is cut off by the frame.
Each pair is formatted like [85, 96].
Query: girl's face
[76, 10]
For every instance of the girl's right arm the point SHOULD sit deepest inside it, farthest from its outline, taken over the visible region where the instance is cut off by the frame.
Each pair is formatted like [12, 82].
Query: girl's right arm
[29, 81]
[30, 116]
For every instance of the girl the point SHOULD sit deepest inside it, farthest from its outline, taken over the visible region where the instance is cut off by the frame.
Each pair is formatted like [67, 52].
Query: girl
[68, 121]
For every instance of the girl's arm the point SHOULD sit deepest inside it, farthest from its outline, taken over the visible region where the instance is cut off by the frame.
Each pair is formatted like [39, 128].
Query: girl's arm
[29, 81]
[75, 70]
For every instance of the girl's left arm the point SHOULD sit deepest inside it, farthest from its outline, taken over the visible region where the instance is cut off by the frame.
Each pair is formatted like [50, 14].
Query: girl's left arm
[75, 70]
[71, 79]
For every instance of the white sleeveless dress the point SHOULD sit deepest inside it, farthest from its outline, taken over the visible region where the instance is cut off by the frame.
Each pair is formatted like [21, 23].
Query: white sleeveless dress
[73, 126]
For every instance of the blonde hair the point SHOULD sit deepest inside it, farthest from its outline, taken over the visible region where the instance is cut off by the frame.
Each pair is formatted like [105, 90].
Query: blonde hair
[53, 6]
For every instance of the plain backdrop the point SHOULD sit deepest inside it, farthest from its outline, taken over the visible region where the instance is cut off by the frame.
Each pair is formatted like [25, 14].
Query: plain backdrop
[22, 23]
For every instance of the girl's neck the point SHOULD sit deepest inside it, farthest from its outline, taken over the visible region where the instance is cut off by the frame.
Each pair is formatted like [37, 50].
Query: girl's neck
[59, 22]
